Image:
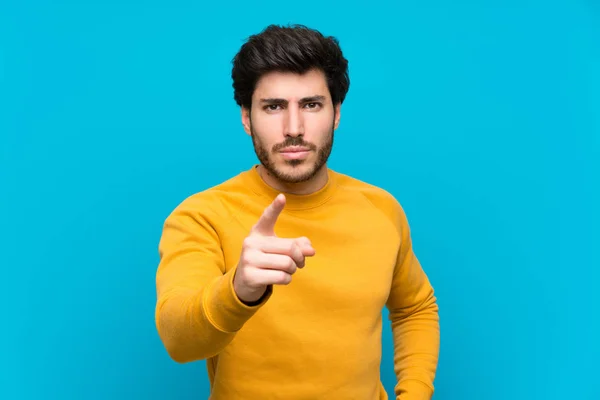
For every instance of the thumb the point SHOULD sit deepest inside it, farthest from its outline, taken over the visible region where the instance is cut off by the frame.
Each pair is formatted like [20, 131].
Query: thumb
[306, 246]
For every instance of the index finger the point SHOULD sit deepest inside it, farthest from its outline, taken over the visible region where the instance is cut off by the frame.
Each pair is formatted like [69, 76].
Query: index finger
[266, 222]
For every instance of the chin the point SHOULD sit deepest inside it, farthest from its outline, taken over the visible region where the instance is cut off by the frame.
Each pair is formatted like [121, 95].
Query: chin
[294, 171]
[296, 164]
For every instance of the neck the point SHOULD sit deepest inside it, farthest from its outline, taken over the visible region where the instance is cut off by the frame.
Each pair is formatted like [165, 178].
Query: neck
[314, 184]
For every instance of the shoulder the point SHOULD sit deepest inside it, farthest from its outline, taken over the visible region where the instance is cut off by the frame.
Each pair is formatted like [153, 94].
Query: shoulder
[378, 197]
[213, 203]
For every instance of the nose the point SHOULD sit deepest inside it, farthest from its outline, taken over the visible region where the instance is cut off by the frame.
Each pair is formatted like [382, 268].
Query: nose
[294, 122]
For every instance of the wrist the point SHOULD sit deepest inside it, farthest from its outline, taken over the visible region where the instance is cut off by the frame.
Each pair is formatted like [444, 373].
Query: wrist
[249, 297]
[254, 300]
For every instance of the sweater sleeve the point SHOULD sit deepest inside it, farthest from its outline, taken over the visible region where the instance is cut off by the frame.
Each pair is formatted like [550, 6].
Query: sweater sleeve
[413, 313]
[197, 310]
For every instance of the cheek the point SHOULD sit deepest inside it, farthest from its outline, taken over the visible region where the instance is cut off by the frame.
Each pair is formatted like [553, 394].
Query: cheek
[268, 129]
[318, 129]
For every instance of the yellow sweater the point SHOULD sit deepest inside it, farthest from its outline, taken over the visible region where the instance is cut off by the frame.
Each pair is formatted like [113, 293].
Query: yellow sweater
[319, 337]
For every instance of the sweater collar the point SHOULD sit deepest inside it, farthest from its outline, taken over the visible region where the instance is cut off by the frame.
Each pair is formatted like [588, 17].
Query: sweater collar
[293, 201]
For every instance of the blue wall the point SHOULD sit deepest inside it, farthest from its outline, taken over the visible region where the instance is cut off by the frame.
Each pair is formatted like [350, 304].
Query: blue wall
[483, 118]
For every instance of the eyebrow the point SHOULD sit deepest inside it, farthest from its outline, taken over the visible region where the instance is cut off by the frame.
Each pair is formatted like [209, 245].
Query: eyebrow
[308, 99]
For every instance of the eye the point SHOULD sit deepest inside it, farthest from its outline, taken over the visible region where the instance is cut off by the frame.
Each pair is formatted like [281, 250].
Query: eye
[272, 107]
[312, 106]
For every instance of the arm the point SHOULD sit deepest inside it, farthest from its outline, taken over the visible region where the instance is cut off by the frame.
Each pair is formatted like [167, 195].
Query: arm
[197, 310]
[415, 322]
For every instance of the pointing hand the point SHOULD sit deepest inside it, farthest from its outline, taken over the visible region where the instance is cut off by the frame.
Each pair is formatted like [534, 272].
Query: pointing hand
[267, 259]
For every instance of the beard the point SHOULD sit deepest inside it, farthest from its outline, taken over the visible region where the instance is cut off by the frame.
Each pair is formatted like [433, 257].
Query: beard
[298, 174]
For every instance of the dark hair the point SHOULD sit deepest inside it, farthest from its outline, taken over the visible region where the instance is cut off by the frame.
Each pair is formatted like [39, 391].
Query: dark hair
[292, 48]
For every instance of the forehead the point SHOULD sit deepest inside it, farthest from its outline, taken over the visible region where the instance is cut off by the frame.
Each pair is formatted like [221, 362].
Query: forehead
[291, 86]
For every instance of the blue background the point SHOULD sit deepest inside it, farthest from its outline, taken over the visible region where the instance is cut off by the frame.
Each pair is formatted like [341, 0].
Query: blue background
[483, 118]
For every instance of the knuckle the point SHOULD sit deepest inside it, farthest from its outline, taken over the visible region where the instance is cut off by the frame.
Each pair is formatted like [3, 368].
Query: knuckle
[253, 279]
[247, 243]
[304, 240]
[247, 278]
[251, 283]
[243, 277]
[285, 278]
[247, 258]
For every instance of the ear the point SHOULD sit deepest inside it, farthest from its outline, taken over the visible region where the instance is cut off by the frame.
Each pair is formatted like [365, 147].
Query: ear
[338, 110]
[246, 120]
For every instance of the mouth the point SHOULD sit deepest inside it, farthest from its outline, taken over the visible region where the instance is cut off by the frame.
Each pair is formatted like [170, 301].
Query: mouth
[295, 152]
[295, 149]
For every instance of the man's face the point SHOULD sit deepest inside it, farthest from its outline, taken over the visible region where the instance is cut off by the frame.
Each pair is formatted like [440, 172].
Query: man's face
[291, 122]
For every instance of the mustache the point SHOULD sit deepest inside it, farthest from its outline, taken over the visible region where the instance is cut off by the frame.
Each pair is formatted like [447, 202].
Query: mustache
[294, 141]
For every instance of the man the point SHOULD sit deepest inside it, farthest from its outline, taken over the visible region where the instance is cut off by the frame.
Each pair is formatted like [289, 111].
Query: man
[278, 276]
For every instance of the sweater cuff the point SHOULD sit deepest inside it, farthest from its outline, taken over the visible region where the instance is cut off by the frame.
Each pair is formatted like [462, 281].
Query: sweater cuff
[222, 306]
[413, 389]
